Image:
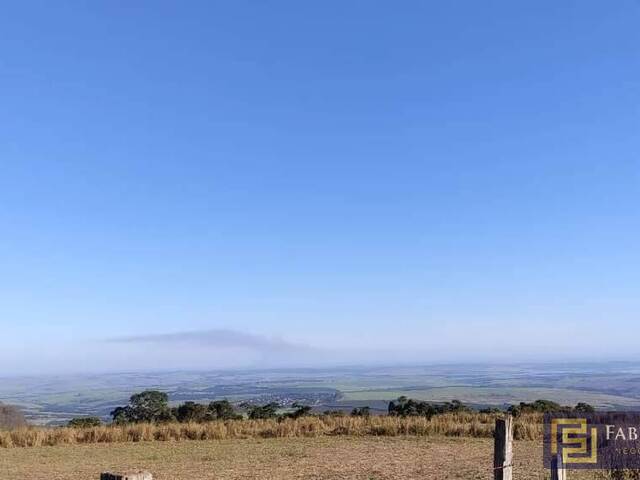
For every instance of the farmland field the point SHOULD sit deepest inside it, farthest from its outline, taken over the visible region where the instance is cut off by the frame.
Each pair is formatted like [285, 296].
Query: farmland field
[54, 400]
[322, 458]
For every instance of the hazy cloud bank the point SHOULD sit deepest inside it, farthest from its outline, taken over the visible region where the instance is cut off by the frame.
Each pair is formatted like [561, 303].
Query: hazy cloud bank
[218, 338]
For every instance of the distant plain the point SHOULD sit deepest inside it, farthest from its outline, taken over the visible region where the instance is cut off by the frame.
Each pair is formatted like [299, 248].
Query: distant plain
[56, 399]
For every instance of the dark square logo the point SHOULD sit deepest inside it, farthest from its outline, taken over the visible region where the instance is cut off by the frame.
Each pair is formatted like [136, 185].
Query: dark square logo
[608, 440]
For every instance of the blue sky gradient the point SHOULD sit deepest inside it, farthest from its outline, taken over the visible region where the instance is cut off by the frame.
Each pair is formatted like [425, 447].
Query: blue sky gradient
[417, 178]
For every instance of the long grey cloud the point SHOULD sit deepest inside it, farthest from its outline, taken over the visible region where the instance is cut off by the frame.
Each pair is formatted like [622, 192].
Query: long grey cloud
[218, 338]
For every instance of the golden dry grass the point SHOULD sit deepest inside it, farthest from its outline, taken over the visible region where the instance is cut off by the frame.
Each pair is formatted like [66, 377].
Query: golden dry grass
[454, 425]
[318, 458]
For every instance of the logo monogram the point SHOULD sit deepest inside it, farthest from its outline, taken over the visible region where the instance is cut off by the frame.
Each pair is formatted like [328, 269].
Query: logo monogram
[578, 443]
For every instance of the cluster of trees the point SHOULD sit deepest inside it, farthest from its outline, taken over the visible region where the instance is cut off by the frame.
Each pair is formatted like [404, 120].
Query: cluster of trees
[147, 406]
[11, 417]
[407, 407]
[197, 412]
[259, 412]
[153, 406]
[547, 406]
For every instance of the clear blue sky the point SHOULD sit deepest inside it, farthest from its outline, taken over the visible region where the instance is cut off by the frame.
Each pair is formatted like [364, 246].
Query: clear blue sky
[426, 178]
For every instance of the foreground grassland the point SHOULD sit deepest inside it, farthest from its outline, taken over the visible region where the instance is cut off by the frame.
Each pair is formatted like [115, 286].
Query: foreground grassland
[473, 425]
[319, 458]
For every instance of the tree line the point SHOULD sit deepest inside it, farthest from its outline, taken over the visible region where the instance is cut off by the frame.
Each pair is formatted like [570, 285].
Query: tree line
[152, 406]
[544, 406]
[407, 407]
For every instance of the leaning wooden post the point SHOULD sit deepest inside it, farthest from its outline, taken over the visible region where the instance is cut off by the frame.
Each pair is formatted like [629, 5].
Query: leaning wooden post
[558, 471]
[503, 449]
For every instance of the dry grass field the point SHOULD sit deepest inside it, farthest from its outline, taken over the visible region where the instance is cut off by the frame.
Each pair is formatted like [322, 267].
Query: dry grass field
[527, 427]
[320, 458]
[453, 446]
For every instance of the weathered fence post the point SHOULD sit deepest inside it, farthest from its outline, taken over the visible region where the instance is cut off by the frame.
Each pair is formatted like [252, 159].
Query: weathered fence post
[558, 471]
[126, 476]
[503, 449]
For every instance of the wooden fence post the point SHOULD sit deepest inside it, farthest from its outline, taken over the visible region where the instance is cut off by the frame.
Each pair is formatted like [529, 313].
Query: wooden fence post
[503, 449]
[558, 471]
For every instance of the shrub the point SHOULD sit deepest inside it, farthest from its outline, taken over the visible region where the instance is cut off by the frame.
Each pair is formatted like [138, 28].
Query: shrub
[333, 413]
[361, 412]
[270, 410]
[191, 412]
[300, 411]
[222, 410]
[11, 417]
[84, 422]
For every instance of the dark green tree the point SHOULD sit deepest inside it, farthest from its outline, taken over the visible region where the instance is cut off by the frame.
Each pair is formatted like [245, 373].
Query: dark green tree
[222, 410]
[150, 406]
[147, 406]
[122, 415]
[270, 410]
[191, 412]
